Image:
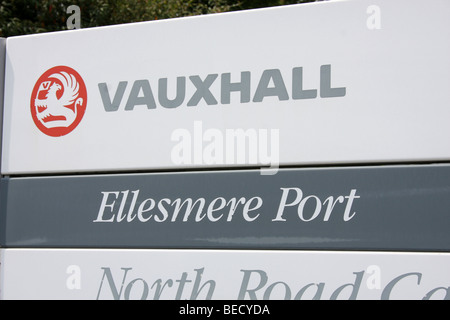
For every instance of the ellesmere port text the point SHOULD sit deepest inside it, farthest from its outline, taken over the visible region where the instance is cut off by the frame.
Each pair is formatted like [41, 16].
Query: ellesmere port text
[128, 206]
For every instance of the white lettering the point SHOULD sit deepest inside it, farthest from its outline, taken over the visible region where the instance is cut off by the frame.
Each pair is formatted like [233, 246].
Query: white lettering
[374, 20]
[161, 210]
[73, 281]
[309, 210]
[104, 205]
[233, 147]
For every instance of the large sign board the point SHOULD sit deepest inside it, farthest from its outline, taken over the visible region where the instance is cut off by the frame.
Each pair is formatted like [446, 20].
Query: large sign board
[224, 274]
[336, 82]
[365, 208]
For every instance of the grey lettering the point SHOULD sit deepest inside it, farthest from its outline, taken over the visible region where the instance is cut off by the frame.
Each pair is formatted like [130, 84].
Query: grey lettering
[182, 282]
[159, 289]
[146, 99]
[432, 292]
[317, 295]
[325, 84]
[107, 273]
[268, 291]
[271, 84]
[211, 284]
[243, 87]
[386, 294]
[354, 287]
[297, 86]
[244, 290]
[128, 288]
[278, 90]
[163, 93]
[203, 91]
[104, 93]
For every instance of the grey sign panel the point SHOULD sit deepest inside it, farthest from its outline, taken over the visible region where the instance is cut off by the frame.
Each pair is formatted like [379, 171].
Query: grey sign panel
[2, 84]
[354, 208]
[2, 79]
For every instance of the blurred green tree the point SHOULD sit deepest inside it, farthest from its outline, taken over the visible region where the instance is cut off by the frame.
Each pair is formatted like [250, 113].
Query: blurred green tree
[19, 17]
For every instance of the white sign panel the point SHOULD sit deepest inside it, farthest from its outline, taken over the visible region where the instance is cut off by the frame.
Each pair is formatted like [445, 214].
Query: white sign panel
[334, 82]
[228, 275]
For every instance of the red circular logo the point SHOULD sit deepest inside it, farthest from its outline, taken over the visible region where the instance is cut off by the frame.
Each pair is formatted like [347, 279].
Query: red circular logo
[58, 101]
